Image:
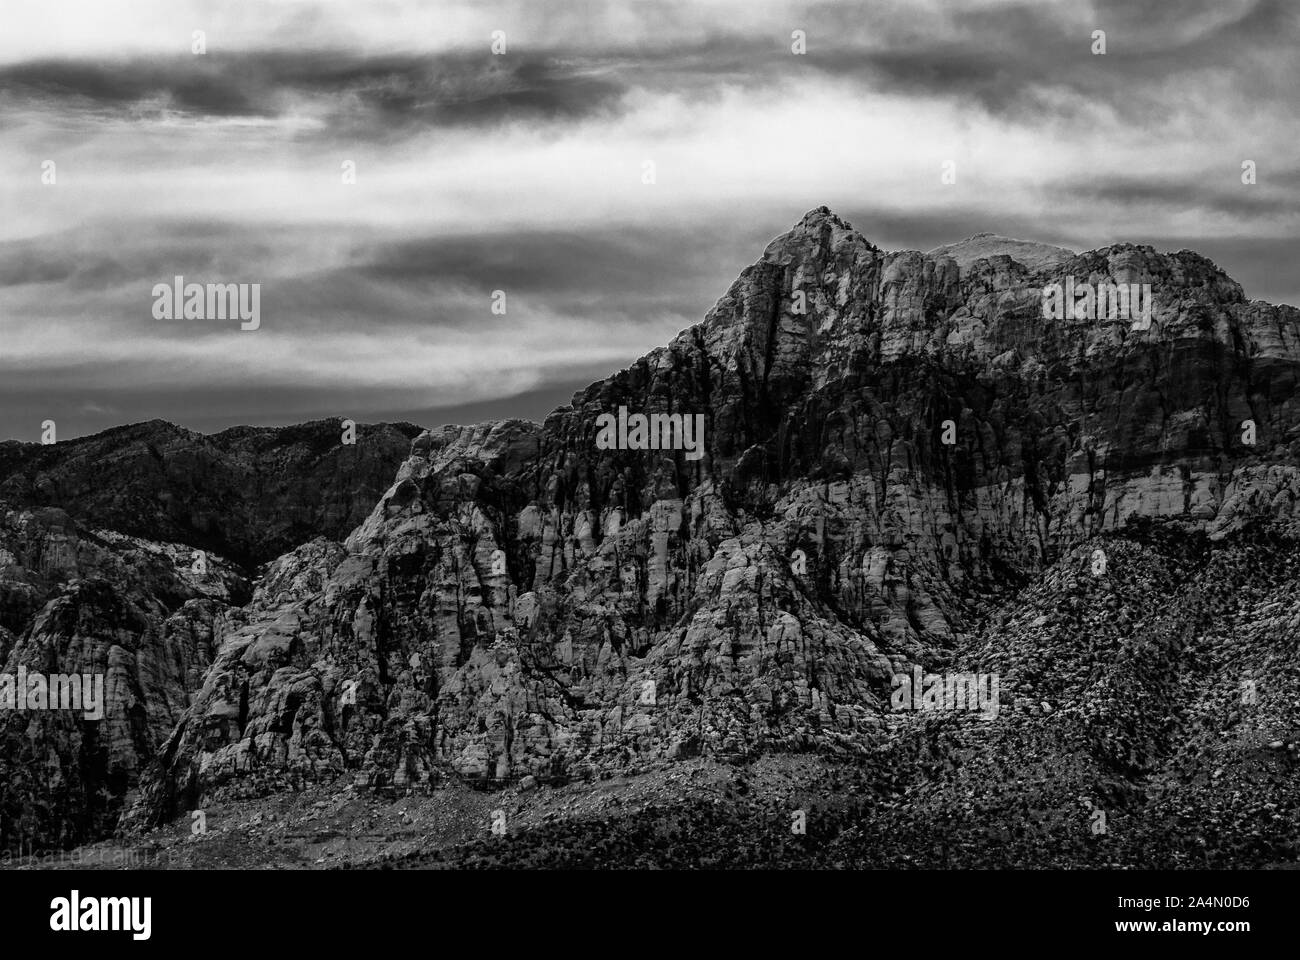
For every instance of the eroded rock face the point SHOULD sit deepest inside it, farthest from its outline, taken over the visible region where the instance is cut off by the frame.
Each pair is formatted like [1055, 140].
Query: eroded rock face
[129, 584]
[136, 618]
[521, 602]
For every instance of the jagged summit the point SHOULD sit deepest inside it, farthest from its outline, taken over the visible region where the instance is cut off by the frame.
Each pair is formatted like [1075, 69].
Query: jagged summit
[817, 225]
[818, 216]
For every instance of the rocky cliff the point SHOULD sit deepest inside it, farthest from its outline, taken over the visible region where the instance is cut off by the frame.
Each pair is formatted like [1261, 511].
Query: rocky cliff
[117, 581]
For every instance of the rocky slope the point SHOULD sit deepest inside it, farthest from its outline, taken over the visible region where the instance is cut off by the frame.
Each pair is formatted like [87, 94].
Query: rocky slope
[117, 582]
[248, 493]
[134, 612]
[1124, 740]
[522, 602]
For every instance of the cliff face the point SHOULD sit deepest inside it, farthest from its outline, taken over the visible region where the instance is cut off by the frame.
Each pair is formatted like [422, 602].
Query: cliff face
[522, 601]
[133, 613]
[109, 584]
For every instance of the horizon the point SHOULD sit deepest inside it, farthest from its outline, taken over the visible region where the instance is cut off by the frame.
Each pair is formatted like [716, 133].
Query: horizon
[534, 402]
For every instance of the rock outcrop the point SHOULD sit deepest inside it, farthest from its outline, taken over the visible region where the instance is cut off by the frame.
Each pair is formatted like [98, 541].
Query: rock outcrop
[135, 578]
[137, 618]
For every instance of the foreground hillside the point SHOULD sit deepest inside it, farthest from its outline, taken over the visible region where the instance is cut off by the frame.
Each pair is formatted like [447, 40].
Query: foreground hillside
[1126, 745]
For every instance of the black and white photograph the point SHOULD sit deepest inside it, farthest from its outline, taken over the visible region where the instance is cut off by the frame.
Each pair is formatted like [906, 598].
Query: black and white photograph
[619, 436]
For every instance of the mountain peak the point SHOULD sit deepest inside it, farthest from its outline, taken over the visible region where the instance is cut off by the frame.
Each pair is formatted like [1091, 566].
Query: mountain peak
[819, 218]
[807, 236]
[820, 213]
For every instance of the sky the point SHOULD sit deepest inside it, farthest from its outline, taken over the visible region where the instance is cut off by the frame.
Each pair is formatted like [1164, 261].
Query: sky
[523, 172]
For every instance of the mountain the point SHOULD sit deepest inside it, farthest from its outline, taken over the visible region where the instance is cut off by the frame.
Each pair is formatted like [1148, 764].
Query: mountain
[99, 574]
[904, 466]
[248, 493]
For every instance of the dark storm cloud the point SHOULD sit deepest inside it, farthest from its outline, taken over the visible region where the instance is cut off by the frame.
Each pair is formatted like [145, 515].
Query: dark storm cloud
[102, 258]
[193, 84]
[21, 263]
[1228, 195]
[405, 91]
[1007, 59]
[1159, 24]
[612, 270]
[589, 262]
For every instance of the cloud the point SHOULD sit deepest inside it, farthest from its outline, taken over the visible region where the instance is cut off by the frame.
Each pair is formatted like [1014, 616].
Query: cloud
[524, 173]
[340, 91]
